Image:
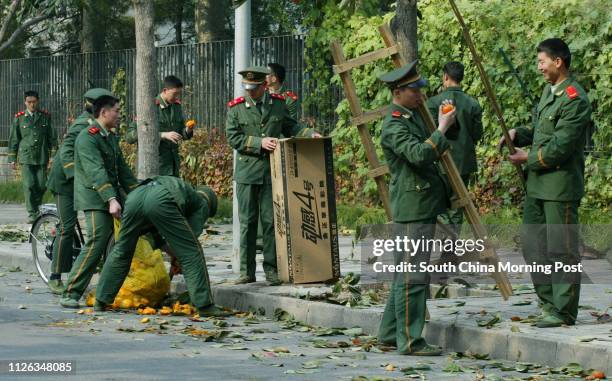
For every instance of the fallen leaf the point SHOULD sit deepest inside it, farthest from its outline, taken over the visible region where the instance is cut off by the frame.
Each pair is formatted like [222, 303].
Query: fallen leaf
[22, 307]
[352, 332]
[390, 367]
[522, 303]
[311, 364]
[452, 367]
[278, 350]
[145, 320]
[147, 311]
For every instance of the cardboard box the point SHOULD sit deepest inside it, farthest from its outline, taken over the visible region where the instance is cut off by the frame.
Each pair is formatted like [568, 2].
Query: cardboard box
[304, 200]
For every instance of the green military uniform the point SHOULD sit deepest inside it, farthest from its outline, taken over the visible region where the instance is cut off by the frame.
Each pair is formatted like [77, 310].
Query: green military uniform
[61, 184]
[177, 212]
[418, 194]
[555, 185]
[291, 100]
[170, 118]
[100, 175]
[248, 122]
[31, 141]
[468, 127]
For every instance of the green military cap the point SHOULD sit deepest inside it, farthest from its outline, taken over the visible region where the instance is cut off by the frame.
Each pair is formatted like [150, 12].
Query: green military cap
[97, 92]
[210, 197]
[405, 76]
[253, 76]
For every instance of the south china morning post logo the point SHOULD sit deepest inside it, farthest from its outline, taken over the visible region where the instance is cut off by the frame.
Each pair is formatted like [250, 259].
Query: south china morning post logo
[415, 258]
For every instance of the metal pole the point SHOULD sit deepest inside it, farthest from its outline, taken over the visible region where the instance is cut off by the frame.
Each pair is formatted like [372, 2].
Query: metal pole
[242, 59]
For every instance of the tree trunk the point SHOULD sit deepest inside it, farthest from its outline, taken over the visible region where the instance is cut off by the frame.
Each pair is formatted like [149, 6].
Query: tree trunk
[92, 34]
[146, 87]
[404, 27]
[178, 22]
[210, 19]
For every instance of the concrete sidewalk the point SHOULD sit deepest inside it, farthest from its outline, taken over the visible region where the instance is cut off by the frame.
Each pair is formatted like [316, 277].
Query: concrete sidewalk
[454, 320]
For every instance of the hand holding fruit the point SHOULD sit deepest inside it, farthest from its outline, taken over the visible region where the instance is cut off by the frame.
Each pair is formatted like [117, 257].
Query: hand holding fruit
[190, 124]
[446, 116]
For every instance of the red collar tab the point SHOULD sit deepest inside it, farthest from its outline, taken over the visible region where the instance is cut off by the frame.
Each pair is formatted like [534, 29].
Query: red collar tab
[20, 113]
[177, 101]
[278, 96]
[571, 92]
[157, 102]
[235, 102]
[396, 114]
[292, 95]
[93, 130]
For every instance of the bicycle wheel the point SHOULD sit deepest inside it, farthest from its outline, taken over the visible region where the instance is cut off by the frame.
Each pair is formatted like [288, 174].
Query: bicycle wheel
[42, 238]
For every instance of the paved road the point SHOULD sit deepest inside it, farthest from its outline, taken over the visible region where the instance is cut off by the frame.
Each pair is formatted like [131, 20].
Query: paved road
[13, 214]
[44, 331]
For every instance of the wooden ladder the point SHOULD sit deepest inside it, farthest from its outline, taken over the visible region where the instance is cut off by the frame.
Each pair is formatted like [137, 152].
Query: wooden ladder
[378, 171]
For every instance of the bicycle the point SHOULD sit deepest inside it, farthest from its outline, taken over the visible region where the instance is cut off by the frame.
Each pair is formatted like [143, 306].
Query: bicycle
[43, 235]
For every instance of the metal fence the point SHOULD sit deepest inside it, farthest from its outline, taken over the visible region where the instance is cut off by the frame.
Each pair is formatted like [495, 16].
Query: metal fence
[206, 69]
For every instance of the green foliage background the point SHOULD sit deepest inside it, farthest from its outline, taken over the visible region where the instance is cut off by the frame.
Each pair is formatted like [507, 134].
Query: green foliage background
[516, 27]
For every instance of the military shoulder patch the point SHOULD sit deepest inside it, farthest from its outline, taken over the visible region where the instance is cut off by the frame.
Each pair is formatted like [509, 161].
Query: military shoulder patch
[235, 102]
[292, 95]
[157, 102]
[20, 113]
[396, 114]
[93, 130]
[278, 96]
[571, 92]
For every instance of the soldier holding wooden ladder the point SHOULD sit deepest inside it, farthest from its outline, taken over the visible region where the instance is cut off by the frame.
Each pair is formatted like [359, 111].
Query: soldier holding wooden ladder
[419, 193]
[555, 183]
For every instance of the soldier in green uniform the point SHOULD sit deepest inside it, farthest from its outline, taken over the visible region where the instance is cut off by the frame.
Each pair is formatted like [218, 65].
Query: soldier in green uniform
[61, 184]
[467, 127]
[172, 129]
[418, 194]
[276, 85]
[100, 177]
[555, 183]
[177, 212]
[31, 142]
[254, 122]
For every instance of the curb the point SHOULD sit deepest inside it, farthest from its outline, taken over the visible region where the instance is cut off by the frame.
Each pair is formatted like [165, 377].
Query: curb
[451, 336]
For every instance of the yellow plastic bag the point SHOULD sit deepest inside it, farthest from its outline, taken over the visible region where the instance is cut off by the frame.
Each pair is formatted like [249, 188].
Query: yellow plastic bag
[147, 282]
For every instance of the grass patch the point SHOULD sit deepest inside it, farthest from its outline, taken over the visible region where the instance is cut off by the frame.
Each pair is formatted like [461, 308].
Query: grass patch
[12, 193]
[224, 212]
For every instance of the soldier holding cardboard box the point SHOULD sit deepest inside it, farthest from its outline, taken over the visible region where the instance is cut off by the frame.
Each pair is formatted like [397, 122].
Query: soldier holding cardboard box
[254, 123]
